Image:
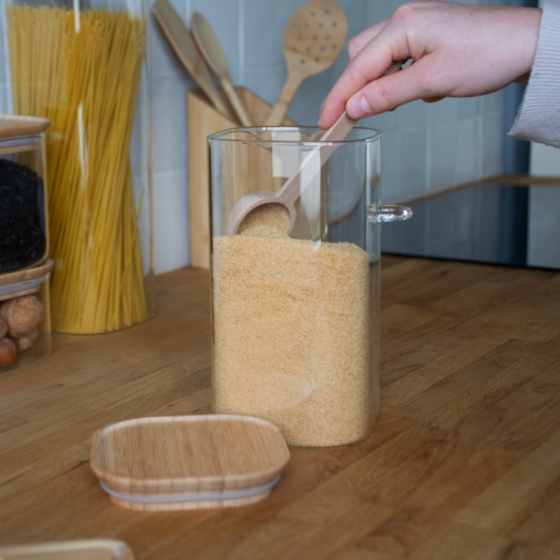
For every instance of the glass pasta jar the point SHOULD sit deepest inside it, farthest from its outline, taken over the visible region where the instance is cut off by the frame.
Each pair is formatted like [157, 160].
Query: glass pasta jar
[83, 66]
[295, 310]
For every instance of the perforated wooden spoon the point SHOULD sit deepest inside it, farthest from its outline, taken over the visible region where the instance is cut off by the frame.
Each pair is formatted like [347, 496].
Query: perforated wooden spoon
[210, 48]
[293, 187]
[313, 40]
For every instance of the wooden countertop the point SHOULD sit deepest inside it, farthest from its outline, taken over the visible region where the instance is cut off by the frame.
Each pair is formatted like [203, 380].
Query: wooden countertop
[464, 461]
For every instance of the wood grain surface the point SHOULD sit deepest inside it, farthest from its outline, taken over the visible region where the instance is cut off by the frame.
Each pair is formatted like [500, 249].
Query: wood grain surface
[170, 462]
[94, 549]
[464, 461]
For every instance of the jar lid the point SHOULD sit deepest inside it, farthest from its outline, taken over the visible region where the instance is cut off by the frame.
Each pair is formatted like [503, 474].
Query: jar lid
[90, 549]
[12, 126]
[23, 282]
[188, 462]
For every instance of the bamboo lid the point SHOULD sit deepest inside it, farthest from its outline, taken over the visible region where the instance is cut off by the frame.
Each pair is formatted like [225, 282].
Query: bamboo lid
[91, 549]
[188, 462]
[12, 126]
[23, 282]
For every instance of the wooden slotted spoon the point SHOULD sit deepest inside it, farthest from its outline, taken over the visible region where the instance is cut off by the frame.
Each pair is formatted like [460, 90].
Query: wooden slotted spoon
[209, 46]
[293, 187]
[313, 40]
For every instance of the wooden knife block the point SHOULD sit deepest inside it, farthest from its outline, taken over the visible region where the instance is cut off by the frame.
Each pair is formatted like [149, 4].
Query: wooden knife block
[203, 120]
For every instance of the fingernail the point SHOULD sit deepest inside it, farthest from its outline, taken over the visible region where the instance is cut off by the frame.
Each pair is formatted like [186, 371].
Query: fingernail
[359, 107]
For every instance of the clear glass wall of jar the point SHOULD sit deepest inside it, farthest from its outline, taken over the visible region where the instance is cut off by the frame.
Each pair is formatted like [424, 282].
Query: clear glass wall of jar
[83, 66]
[296, 315]
[25, 328]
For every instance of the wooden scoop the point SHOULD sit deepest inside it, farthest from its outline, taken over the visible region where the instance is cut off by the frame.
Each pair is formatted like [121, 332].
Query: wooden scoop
[293, 187]
[210, 48]
[178, 35]
[313, 40]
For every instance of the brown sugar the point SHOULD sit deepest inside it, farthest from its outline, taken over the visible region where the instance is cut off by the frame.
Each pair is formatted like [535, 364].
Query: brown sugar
[291, 335]
[272, 216]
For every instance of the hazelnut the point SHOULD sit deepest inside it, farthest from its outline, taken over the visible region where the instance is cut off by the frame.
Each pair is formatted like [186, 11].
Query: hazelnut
[8, 352]
[22, 314]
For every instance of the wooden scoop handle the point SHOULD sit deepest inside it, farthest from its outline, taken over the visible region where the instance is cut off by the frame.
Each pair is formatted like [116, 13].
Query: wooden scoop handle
[293, 187]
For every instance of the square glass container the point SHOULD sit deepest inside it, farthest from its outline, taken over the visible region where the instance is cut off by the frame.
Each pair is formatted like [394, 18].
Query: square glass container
[25, 316]
[295, 292]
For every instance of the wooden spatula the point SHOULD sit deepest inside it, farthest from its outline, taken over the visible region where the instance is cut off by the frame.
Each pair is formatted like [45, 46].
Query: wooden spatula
[210, 48]
[178, 35]
[313, 40]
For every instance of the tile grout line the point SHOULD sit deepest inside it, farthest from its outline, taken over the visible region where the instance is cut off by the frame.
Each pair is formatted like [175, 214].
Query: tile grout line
[7, 70]
[241, 46]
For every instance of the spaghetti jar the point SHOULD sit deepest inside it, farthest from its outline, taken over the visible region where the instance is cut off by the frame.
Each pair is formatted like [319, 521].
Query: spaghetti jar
[83, 66]
[296, 312]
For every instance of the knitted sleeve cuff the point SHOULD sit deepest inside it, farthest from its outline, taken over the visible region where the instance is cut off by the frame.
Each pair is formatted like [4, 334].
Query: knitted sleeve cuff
[538, 118]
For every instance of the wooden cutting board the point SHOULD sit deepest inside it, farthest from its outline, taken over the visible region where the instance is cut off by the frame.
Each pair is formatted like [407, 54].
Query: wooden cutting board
[92, 549]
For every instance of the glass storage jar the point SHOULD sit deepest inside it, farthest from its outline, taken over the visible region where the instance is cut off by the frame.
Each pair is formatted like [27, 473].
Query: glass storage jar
[23, 204]
[25, 319]
[83, 66]
[295, 315]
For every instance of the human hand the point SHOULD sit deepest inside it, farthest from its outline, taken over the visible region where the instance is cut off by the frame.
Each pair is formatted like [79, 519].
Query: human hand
[458, 50]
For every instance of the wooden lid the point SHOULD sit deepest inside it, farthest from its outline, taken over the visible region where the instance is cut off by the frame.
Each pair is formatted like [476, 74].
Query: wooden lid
[91, 549]
[12, 126]
[23, 282]
[188, 462]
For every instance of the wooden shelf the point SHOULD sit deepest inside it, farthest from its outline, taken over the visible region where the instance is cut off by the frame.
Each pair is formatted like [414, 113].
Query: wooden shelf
[509, 179]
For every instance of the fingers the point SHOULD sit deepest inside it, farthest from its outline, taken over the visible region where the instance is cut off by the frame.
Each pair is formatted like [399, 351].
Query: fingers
[357, 43]
[370, 63]
[389, 92]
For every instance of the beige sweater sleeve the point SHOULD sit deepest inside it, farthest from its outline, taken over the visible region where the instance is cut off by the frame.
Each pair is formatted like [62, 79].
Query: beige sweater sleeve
[538, 118]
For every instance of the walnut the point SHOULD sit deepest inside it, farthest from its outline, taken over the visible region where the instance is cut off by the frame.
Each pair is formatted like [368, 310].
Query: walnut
[21, 314]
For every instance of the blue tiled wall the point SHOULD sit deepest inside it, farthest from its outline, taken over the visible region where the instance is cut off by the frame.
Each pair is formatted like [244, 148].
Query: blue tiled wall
[425, 147]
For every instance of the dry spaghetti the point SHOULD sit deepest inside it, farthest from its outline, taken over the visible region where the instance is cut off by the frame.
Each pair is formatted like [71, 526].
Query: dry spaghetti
[83, 72]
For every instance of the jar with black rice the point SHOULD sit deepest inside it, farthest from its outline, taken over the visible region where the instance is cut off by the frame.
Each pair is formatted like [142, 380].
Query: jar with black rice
[23, 208]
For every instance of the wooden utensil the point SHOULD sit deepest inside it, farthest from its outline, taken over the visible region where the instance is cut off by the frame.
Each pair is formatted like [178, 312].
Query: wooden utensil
[188, 462]
[180, 38]
[92, 549]
[313, 40]
[210, 48]
[293, 187]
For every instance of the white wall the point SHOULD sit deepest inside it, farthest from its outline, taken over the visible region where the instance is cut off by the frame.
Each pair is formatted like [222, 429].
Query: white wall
[543, 244]
[425, 147]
